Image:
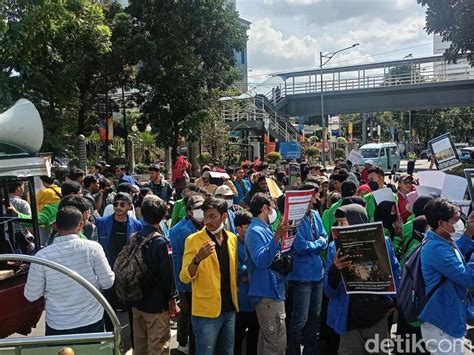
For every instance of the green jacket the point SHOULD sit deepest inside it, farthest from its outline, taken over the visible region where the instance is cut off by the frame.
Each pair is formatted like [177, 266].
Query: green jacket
[329, 218]
[179, 212]
[408, 243]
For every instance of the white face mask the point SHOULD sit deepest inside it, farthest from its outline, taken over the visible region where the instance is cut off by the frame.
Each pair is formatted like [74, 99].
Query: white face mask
[272, 216]
[198, 215]
[458, 230]
[229, 203]
[216, 231]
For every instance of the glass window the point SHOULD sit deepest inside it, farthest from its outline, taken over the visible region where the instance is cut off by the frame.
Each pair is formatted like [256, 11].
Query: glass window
[382, 152]
[369, 153]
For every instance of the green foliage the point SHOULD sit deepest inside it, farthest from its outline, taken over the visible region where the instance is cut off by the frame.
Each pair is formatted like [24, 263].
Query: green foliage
[454, 21]
[274, 157]
[312, 152]
[186, 51]
[204, 158]
[339, 153]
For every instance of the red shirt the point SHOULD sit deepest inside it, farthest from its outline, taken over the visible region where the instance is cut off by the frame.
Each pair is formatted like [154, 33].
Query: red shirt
[402, 206]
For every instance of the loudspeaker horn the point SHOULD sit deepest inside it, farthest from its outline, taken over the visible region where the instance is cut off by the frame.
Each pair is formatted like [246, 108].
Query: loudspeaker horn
[21, 126]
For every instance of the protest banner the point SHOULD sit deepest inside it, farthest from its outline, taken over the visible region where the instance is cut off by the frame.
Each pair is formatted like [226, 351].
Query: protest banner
[273, 188]
[470, 184]
[444, 152]
[355, 157]
[385, 194]
[370, 270]
[296, 205]
[448, 186]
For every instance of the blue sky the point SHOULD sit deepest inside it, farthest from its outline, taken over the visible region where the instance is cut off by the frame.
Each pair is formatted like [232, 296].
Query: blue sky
[288, 34]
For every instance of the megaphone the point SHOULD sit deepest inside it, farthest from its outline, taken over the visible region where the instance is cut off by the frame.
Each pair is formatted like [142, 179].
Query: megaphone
[21, 126]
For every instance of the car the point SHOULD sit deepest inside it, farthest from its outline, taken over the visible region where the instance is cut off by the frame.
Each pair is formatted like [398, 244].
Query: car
[466, 154]
[425, 154]
[385, 155]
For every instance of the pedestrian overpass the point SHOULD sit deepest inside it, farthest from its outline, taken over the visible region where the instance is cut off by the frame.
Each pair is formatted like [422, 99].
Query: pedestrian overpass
[402, 85]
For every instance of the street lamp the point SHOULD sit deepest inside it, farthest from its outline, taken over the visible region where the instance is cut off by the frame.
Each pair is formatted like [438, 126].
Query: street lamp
[328, 57]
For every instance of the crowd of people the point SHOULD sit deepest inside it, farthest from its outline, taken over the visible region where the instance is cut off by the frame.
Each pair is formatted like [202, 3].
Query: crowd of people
[212, 251]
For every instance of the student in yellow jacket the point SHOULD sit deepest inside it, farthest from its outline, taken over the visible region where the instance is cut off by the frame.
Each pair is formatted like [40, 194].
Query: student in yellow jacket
[210, 265]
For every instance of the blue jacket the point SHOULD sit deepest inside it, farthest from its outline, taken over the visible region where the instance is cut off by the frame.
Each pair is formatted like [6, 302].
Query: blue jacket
[447, 309]
[104, 228]
[241, 192]
[129, 179]
[261, 250]
[243, 288]
[338, 308]
[308, 264]
[178, 235]
[230, 218]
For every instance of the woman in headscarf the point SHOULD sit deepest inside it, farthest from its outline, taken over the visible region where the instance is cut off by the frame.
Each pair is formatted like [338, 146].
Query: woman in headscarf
[356, 317]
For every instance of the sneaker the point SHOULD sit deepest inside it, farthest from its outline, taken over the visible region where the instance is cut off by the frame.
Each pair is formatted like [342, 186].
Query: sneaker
[182, 349]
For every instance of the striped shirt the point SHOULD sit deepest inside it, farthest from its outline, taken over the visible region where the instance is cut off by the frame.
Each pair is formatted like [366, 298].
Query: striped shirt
[68, 304]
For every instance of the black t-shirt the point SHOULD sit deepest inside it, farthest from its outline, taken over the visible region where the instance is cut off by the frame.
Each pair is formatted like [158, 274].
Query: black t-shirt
[117, 240]
[222, 252]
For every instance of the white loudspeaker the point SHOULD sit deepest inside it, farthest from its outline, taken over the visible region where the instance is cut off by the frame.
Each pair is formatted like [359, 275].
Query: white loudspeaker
[21, 126]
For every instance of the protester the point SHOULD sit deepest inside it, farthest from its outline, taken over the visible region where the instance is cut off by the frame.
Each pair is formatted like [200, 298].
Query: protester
[120, 174]
[70, 308]
[444, 315]
[77, 175]
[151, 315]
[179, 208]
[306, 279]
[363, 190]
[405, 186]
[360, 317]
[241, 184]
[114, 231]
[50, 193]
[92, 187]
[178, 235]
[266, 287]
[210, 265]
[259, 184]
[179, 174]
[348, 189]
[246, 324]
[364, 174]
[158, 184]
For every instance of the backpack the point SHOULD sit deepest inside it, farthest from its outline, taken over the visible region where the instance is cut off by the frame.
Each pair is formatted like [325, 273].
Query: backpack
[411, 297]
[132, 276]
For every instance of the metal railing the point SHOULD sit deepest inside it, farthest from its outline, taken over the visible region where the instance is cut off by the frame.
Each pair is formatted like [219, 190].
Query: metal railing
[345, 81]
[112, 337]
[260, 109]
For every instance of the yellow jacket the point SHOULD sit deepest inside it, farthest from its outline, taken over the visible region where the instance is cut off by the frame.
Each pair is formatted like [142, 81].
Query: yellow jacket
[48, 196]
[206, 284]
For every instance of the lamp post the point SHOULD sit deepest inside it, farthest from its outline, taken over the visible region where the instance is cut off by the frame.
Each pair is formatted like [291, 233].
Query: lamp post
[328, 57]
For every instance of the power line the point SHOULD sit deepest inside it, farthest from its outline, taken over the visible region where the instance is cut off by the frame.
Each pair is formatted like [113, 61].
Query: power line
[345, 61]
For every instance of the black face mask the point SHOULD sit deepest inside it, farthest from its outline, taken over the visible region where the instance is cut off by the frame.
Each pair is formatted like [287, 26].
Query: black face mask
[373, 185]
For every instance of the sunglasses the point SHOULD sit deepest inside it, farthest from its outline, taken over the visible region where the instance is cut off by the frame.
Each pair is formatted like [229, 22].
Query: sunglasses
[120, 204]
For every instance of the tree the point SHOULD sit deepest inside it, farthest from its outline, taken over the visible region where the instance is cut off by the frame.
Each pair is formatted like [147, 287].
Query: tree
[454, 21]
[51, 52]
[186, 52]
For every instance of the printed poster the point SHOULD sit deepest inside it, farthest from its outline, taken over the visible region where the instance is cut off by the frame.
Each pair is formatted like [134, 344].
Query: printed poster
[444, 151]
[370, 271]
[296, 205]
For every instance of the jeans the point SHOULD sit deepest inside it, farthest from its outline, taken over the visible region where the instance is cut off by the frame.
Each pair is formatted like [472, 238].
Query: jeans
[438, 342]
[305, 317]
[91, 328]
[214, 335]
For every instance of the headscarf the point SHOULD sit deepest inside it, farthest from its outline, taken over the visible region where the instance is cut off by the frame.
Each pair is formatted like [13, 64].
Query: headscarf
[354, 213]
[383, 213]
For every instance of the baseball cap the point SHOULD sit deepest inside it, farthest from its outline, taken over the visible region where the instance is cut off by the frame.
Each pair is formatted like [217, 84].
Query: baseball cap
[405, 176]
[195, 201]
[369, 161]
[224, 190]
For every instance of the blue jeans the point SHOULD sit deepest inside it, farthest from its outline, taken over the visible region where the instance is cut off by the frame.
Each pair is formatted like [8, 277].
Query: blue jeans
[214, 335]
[304, 322]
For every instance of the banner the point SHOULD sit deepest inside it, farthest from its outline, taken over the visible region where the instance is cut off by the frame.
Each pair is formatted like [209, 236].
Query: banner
[296, 205]
[355, 157]
[271, 147]
[290, 150]
[444, 152]
[370, 271]
[103, 129]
